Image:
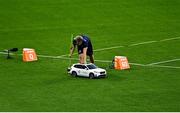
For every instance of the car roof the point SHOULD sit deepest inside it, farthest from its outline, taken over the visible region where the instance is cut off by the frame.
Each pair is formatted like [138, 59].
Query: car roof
[83, 64]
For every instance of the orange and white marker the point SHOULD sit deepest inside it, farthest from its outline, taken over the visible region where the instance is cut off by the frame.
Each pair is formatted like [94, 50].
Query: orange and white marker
[121, 63]
[29, 55]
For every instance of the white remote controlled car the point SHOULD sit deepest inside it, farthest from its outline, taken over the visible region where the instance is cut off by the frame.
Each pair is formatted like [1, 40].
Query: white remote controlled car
[87, 70]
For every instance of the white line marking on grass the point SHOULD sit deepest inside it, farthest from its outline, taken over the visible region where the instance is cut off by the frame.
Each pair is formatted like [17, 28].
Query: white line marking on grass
[114, 47]
[137, 64]
[4, 53]
[162, 62]
[136, 44]
[161, 66]
[168, 39]
[142, 43]
[142, 65]
[103, 61]
[56, 57]
[108, 61]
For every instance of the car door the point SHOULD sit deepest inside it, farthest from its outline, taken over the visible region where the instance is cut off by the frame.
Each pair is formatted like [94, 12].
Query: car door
[79, 70]
[84, 71]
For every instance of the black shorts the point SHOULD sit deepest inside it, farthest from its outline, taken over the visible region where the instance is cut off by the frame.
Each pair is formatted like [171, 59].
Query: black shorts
[89, 51]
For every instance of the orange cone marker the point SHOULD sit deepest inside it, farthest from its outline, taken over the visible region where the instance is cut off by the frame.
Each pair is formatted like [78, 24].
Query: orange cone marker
[121, 63]
[29, 55]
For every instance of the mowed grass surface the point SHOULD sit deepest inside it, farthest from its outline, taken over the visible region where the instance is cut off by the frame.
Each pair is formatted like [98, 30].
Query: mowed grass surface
[47, 25]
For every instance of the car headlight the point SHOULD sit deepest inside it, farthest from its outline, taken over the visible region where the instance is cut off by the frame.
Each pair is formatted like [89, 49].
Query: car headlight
[96, 72]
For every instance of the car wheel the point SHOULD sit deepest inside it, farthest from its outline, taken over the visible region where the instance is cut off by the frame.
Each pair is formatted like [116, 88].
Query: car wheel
[74, 74]
[91, 75]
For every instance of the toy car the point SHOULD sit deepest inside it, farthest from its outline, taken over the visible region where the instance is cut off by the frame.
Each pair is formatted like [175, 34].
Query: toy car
[87, 70]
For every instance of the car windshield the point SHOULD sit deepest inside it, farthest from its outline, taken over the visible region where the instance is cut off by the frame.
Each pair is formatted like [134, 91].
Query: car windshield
[91, 66]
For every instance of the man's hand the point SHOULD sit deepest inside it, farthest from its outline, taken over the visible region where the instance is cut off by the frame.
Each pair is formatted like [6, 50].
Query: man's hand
[71, 51]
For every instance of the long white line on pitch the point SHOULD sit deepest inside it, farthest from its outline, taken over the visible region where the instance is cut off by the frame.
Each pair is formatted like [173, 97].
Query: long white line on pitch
[136, 44]
[142, 43]
[103, 61]
[114, 47]
[168, 39]
[3, 53]
[142, 65]
[162, 62]
[161, 66]
[108, 61]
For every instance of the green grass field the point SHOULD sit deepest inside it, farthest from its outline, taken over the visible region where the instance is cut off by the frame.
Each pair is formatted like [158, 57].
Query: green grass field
[47, 25]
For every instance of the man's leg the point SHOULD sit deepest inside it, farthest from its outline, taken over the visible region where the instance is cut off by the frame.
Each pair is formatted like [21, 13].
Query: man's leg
[81, 58]
[91, 57]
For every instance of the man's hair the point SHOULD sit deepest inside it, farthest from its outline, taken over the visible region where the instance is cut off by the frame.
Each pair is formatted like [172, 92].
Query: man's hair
[78, 38]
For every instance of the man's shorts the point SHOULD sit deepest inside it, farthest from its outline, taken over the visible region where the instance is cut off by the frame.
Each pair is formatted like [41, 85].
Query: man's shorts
[89, 51]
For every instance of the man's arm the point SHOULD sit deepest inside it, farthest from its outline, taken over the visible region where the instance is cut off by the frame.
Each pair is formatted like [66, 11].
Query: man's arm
[72, 49]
